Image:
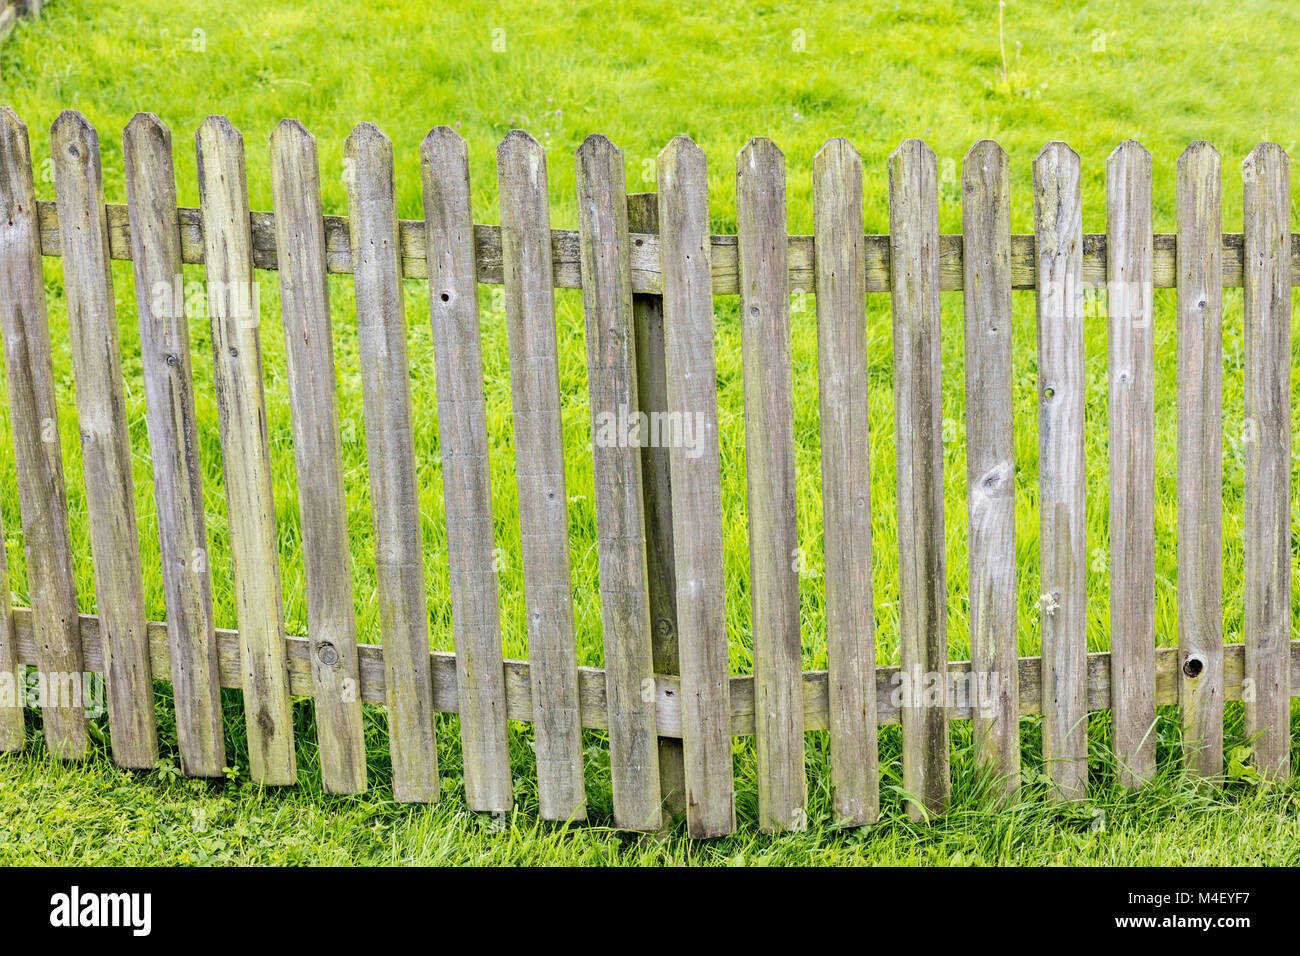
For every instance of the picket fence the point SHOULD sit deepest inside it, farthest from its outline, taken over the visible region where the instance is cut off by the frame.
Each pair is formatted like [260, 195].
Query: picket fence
[649, 270]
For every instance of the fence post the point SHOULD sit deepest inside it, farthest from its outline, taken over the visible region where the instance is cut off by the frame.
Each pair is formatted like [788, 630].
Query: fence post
[652, 396]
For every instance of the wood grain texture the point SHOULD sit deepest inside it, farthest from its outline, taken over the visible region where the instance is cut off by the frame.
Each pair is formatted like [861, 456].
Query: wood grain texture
[918, 411]
[1267, 303]
[1200, 457]
[539, 467]
[769, 458]
[390, 447]
[657, 492]
[1058, 217]
[1131, 373]
[38, 456]
[620, 516]
[105, 446]
[173, 445]
[246, 459]
[467, 488]
[647, 273]
[990, 460]
[691, 375]
[309, 359]
[842, 364]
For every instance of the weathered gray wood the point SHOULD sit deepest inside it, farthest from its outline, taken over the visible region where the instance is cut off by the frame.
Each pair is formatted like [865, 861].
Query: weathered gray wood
[1267, 301]
[467, 487]
[38, 457]
[656, 491]
[1200, 457]
[918, 412]
[616, 452]
[1131, 374]
[13, 730]
[174, 444]
[1058, 217]
[990, 461]
[691, 376]
[539, 464]
[105, 446]
[842, 364]
[769, 457]
[647, 274]
[668, 692]
[309, 357]
[241, 411]
[390, 446]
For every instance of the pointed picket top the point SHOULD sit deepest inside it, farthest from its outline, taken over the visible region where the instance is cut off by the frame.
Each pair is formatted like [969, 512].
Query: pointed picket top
[522, 158]
[1263, 157]
[73, 132]
[1130, 154]
[759, 150]
[682, 161]
[366, 137]
[15, 164]
[290, 130]
[1056, 152]
[912, 151]
[984, 152]
[1199, 153]
[442, 141]
[145, 126]
[598, 145]
[218, 129]
[836, 149]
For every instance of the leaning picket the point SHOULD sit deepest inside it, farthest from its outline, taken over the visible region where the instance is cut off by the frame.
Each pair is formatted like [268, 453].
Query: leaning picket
[1267, 302]
[390, 447]
[309, 357]
[105, 446]
[691, 377]
[769, 458]
[842, 362]
[241, 410]
[1131, 374]
[463, 442]
[38, 456]
[616, 453]
[1058, 254]
[1200, 457]
[173, 445]
[918, 412]
[990, 463]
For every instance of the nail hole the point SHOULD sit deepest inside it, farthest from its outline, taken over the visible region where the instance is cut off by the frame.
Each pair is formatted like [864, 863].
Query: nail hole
[445, 297]
[1193, 665]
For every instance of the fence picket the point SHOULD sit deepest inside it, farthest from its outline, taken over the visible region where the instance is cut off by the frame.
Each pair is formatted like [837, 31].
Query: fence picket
[842, 363]
[1131, 397]
[918, 411]
[106, 448]
[1058, 253]
[1267, 301]
[1200, 457]
[691, 376]
[241, 409]
[769, 455]
[656, 489]
[990, 461]
[173, 444]
[390, 447]
[38, 456]
[620, 518]
[309, 357]
[462, 440]
[539, 464]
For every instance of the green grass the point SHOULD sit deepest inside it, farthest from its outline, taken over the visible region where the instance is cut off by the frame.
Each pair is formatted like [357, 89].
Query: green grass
[1092, 74]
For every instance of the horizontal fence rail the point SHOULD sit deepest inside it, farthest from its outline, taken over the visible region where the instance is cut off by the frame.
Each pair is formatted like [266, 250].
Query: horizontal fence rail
[649, 270]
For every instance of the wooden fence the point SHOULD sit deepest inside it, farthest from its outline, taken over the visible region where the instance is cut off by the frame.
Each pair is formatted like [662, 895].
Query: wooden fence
[649, 270]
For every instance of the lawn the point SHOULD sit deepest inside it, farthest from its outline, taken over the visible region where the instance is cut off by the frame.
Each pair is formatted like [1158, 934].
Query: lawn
[1092, 74]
